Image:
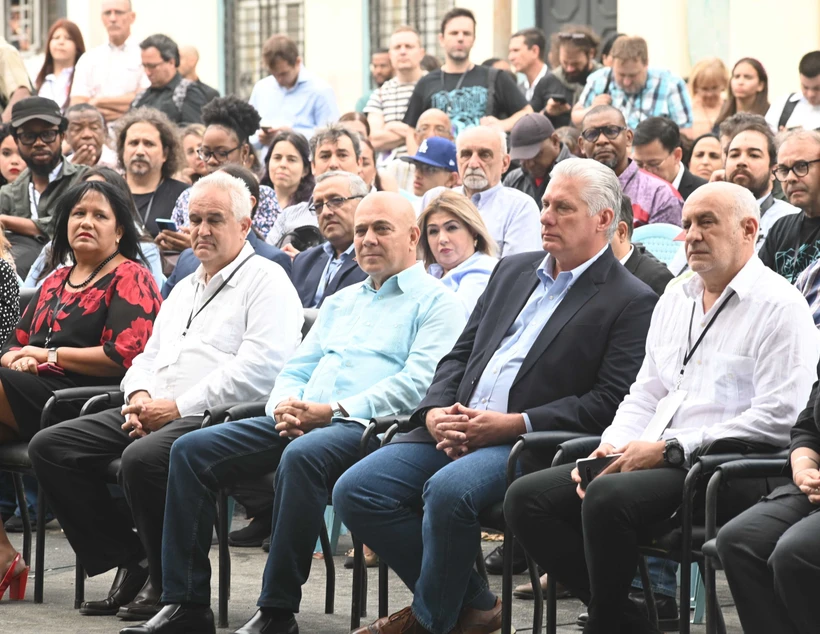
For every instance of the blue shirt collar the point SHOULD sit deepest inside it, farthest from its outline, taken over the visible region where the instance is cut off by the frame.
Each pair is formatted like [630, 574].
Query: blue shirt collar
[485, 197]
[545, 269]
[328, 248]
[402, 282]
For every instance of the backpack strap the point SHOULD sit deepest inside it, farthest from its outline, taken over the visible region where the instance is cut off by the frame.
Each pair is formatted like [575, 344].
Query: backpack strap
[491, 91]
[788, 109]
[180, 92]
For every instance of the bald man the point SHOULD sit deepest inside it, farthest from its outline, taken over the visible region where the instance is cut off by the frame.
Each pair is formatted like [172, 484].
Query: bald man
[432, 122]
[512, 217]
[188, 59]
[372, 352]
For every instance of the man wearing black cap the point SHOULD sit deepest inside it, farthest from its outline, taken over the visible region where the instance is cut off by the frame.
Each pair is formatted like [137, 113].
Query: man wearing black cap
[435, 164]
[533, 142]
[26, 204]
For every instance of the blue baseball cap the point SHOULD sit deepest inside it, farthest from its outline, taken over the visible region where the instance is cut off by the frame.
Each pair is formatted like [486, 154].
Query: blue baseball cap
[437, 152]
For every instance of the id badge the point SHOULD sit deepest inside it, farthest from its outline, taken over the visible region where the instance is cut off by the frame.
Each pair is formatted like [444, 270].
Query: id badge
[666, 409]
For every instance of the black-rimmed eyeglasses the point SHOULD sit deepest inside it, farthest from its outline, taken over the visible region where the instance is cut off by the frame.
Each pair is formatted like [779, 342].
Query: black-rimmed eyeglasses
[800, 168]
[30, 138]
[334, 204]
[220, 155]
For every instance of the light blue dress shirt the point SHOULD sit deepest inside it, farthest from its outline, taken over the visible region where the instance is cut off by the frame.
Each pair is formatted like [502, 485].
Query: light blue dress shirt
[469, 279]
[374, 351]
[492, 391]
[308, 105]
[512, 217]
[331, 268]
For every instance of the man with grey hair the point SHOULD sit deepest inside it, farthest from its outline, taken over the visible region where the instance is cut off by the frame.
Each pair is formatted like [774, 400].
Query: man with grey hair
[715, 370]
[532, 322]
[372, 352]
[511, 216]
[223, 335]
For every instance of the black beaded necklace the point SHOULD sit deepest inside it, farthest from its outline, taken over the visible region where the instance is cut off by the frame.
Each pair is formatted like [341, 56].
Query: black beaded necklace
[93, 275]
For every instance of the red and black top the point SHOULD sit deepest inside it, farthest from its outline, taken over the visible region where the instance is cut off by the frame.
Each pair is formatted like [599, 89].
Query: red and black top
[117, 312]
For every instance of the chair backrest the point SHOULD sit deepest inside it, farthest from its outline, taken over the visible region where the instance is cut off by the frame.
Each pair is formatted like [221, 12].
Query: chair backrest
[25, 297]
[659, 240]
[310, 318]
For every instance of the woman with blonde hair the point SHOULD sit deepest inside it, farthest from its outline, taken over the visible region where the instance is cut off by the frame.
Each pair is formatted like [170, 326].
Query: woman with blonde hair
[708, 82]
[456, 246]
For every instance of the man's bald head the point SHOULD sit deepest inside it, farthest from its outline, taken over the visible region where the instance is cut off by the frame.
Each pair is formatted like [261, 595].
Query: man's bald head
[188, 59]
[385, 235]
[434, 122]
[721, 222]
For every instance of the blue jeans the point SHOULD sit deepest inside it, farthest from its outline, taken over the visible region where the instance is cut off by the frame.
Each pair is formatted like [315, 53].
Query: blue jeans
[8, 497]
[663, 574]
[207, 459]
[381, 500]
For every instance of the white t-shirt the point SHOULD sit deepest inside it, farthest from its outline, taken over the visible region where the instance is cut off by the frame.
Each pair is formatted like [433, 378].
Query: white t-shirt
[804, 115]
[110, 71]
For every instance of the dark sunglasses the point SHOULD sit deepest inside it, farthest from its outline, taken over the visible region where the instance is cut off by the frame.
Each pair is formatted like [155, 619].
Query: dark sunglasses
[611, 132]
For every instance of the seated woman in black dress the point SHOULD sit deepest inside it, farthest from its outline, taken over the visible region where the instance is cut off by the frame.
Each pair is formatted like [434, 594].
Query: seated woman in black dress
[88, 321]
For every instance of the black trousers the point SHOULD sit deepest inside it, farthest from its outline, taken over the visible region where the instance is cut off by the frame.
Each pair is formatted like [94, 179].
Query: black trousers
[71, 459]
[592, 547]
[771, 555]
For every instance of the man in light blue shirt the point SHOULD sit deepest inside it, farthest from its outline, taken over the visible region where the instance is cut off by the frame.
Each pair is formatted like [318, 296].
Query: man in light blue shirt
[291, 96]
[372, 352]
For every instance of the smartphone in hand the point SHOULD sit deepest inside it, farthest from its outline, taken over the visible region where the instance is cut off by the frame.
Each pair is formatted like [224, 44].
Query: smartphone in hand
[166, 224]
[590, 468]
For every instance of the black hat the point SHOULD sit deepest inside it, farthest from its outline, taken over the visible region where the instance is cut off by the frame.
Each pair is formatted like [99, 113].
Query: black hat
[35, 108]
[527, 135]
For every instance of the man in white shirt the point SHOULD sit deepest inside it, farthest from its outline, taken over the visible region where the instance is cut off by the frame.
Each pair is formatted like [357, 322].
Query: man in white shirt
[110, 75]
[526, 56]
[223, 335]
[731, 354]
[799, 109]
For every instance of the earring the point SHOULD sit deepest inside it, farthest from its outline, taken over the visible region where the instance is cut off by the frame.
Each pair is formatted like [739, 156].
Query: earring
[475, 243]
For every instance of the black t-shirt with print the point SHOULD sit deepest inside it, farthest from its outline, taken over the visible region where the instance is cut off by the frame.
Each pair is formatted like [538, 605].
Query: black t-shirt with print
[791, 245]
[465, 103]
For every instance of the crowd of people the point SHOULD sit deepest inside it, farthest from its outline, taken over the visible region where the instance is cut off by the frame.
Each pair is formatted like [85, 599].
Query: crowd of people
[465, 240]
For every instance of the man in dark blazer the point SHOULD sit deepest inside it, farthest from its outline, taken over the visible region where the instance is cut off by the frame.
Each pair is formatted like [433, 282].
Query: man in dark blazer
[554, 343]
[322, 270]
[657, 149]
[637, 260]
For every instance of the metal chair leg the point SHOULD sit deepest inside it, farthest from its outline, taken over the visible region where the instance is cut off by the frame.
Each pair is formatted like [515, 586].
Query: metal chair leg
[506, 582]
[224, 557]
[538, 597]
[79, 584]
[552, 607]
[356, 601]
[40, 546]
[384, 595]
[649, 596]
[20, 494]
[330, 569]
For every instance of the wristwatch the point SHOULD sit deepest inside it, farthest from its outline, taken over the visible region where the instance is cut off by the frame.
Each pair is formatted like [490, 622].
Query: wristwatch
[52, 356]
[673, 453]
[338, 412]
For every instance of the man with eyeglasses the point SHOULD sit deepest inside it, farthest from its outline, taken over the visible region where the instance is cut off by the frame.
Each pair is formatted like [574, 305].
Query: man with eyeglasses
[605, 138]
[657, 149]
[26, 204]
[574, 49]
[793, 242]
[322, 270]
[635, 89]
[180, 99]
[110, 75]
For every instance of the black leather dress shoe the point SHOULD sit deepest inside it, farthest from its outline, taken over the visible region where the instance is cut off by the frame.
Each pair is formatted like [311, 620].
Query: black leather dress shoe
[266, 544]
[263, 624]
[667, 611]
[494, 562]
[127, 584]
[254, 533]
[144, 606]
[176, 619]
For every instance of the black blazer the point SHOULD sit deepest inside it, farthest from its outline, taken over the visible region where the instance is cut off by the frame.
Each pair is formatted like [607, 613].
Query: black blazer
[307, 271]
[582, 363]
[689, 183]
[647, 268]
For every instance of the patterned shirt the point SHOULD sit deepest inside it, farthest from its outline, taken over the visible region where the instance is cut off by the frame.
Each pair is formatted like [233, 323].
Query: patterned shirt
[266, 214]
[653, 199]
[391, 101]
[664, 95]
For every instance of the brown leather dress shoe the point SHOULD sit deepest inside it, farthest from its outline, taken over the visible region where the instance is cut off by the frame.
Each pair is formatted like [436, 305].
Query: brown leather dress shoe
[402, 622]
[524, 591]
[472, 621]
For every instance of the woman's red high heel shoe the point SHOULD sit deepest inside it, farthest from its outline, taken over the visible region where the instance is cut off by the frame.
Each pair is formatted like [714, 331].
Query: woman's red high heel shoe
[16, 583]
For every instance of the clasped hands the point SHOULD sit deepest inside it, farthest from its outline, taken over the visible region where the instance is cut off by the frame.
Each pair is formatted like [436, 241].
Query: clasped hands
[638, 455]
[26, 359]
[295, 418]
[458, 430]
[144, 414]
[808, 481]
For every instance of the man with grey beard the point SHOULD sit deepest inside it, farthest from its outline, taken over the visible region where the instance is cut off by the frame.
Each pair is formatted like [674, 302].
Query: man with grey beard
[148, 149]
[606, 138]
[512, 217]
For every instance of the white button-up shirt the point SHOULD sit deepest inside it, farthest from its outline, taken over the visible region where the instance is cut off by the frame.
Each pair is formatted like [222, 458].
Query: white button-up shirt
[110, 71]
[749, 378]
[233, 350]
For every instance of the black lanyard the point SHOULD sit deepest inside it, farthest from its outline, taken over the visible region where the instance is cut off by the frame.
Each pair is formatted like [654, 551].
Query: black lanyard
[688, 356]
[150, 204]
[193, 315]
[458, 86]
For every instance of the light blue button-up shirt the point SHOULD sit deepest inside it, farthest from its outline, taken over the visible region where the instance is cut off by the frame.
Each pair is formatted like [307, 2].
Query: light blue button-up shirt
[374, 351]
[331, 268]
[492, 391]
[469, 279]
[512, 217]
[308, 105]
